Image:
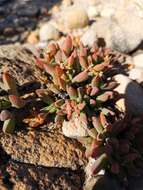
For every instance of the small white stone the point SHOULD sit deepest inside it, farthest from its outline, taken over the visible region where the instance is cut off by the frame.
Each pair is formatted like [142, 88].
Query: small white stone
[123, 82]
[87, 2]
[132, 92]
[66, 3]
[135, 74]
[48, 32]
[74, 128]
[108, 12]
[123, 33]
[41, 45]
[89, 37]
[74, 17]
[138, 60]
[92, 12]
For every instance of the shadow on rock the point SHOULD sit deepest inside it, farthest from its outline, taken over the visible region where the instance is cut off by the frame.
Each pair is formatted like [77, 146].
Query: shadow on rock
[103, 182]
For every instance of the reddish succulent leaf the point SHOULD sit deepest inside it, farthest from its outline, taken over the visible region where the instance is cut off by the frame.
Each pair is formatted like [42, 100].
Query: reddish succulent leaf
[94, 91]
[52, 49]
[62, 84]
[83, 76]
[88, 151]
[50, 69]
[110, 85]
[47, 58]
[88, 90]
[81, 105]
[70, 61]
[83, 50]
[5, 115]
[109, 128]
[16, 101]
[95, 81]
[99, 164]
[83, 62]
[41, 92]
[9, 83]
[44, 95]
[67, 45]
[58, 56]
[97, 151]
[57, 78]
[94, 56]
[103, 97]
[89, 60]
[99, 67]
[68, 109]
[39, 63]
[58, 70]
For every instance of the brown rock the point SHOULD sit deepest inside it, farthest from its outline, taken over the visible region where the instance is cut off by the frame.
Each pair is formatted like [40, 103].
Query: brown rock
[43, 148]
[27, 177]
[21, 64]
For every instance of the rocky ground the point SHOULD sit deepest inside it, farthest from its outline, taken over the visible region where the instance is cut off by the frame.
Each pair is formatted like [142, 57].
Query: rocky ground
[42, 159]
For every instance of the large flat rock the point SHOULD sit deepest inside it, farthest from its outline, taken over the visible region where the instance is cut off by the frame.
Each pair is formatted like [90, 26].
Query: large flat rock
[28, 177]
[20, 62]
[44, 149]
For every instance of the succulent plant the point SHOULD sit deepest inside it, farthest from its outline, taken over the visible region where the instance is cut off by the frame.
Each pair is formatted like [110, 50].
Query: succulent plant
[11, 100]
[76, 80]
[79, 92]
[118, 149]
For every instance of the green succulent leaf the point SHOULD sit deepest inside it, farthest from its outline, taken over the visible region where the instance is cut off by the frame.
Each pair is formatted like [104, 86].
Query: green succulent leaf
[9, 126]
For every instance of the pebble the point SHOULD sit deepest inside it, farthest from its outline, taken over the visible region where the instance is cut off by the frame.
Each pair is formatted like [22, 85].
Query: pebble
[9, 31]
[93, 11]
[74, 129]
[138, 60]
[89, 37]
[74, 17]
[86, 3]
[136, 74]
[48, 32]
[133, 94]
[120, 33]
[108, 12]
[66, 3]
[30, 11]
